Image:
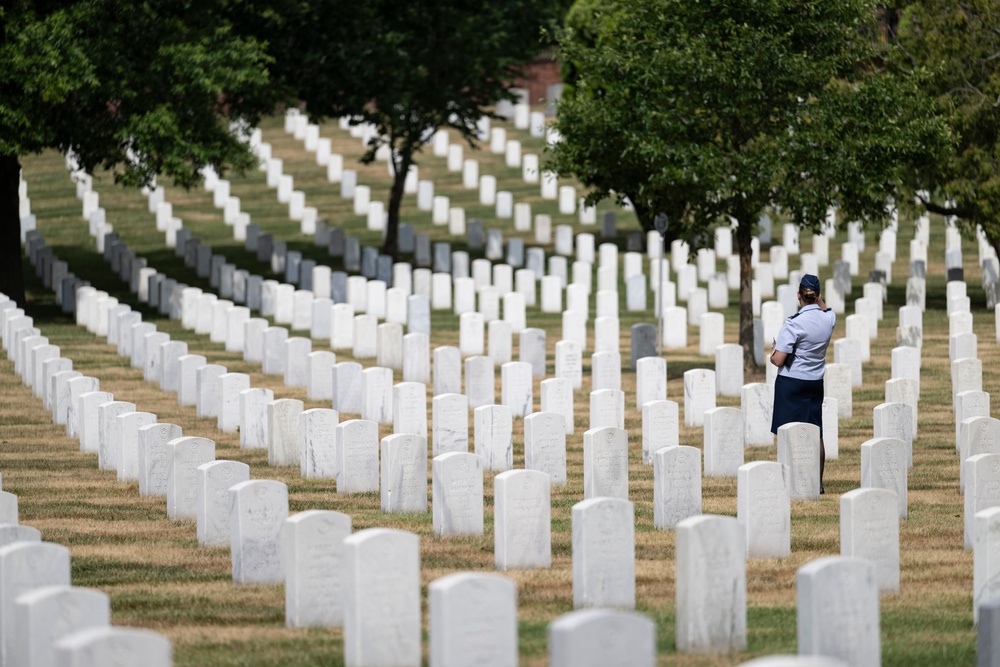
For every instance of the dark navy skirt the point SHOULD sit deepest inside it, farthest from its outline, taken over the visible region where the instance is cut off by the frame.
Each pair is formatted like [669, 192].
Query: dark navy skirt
[797, 401]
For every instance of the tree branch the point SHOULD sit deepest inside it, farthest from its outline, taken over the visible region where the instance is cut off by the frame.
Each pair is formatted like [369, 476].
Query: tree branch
[931, 207]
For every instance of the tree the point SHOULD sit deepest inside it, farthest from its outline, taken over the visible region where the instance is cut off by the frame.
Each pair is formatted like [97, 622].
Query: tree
[717, 110]
[141, 88]
[407, 68]
[959, 44]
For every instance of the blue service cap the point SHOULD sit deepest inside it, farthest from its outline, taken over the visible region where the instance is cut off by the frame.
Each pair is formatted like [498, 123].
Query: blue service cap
[810, 282]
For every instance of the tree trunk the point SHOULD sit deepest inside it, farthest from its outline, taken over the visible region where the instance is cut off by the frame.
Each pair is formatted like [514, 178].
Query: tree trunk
[744, 235]
[11, 278]
[391, 244]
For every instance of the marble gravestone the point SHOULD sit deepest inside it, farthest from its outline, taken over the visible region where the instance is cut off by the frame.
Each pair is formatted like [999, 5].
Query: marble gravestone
[699, 395]
[404, 473]
[883, 466]
[605, 463]
[317, 443]
[473, 620]
[357, 453]
[118, 645]
[522, 524]
[493, 437]
[603, 553]
[214, 480]
[450, 419]
[153, 461]
[283, 447]
[723, 441]
[711, 585]
[763, 509]
[545, 445]
[253, 417]
[838, 610]
[798, 448]
[312, 556]
[184, 455]
[457, 487]
[45, 615]
[258, 509]
[869, 528]
[382, 621]
[676, 485]
[25, 567]
[599, 637]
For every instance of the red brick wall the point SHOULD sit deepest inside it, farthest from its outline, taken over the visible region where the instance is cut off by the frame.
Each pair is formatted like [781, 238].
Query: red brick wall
[539, 74]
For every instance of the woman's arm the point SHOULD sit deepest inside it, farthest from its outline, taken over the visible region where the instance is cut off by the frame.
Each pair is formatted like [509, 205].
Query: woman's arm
[778, 358]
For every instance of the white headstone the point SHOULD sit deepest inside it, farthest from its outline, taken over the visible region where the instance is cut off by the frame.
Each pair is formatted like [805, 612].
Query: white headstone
[312, 556]
[318, 443]
[838, 610]
[598, 637]
[798, 448]
[723, 442]
[711, 585]
[522, 527]
[982, 488]
[869, 528]
[604, 553]
[605, 463]
[382, 598]
[283, 432]
[376, 391]
[545, 445]
[258, 509]
[985, 558]
[357, 450]
[763, 509]
[607, 408]
[404, 473]
[253, 417]
[895, 420]
[457, 485]
[231, 385]
[493, 437]
[128, 647]
[480, 383]
[650, 380]
[214, 480]
[699, 395]
[184, 455]
[473, 620]
[25, 567]
[45, 615]
[757, 404]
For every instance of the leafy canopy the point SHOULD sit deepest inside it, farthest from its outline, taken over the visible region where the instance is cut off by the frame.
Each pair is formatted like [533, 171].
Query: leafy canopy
[722, 107]
[958, 43]
[147, 87]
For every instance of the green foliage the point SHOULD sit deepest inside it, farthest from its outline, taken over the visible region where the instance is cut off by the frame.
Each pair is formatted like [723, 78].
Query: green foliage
[723, 108]
[959, 44]
[148, 87]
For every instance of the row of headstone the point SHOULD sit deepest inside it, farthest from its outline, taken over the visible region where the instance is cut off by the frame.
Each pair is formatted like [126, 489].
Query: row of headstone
[442, 212]
[35, 575]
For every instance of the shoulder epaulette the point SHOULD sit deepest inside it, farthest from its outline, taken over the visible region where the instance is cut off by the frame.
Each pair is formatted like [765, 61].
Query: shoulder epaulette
[795, 315]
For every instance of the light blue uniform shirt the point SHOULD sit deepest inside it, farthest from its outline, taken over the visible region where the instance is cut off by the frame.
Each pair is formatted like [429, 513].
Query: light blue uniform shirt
[805, 337]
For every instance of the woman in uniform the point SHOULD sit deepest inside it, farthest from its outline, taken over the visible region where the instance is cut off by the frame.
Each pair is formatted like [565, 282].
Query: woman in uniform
[799, 352]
